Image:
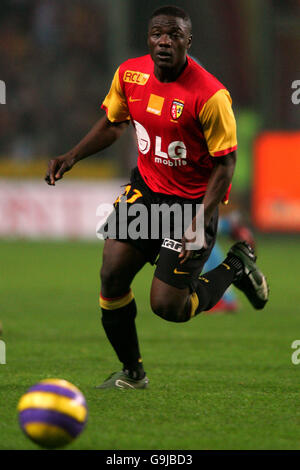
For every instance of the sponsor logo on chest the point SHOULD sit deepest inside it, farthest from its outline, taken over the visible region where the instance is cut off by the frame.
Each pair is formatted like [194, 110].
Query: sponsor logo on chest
[133, 76]
[155, 104]
[173, 154]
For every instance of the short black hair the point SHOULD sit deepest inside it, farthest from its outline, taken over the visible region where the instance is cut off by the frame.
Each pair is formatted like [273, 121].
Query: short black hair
[171, 10]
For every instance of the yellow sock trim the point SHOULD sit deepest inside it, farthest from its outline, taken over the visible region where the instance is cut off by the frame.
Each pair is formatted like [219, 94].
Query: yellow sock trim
[119, 302]
[194, 304]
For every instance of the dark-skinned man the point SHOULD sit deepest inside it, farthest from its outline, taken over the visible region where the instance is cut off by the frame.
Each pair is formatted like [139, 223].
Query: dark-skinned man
[186, 137]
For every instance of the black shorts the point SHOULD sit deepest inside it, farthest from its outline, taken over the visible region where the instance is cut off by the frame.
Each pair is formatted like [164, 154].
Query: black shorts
[159, 249]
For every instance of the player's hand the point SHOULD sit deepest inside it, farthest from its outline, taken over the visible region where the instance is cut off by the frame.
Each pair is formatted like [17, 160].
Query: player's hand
[57, 167]
[185, 254]
[189, 254]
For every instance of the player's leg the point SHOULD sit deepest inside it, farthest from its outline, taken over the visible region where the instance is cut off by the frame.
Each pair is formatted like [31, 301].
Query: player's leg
[169, 302]
[239, 268]
[121, 262]
[179, 292]
[228, 303]
[178, 304]
[231, 225]
[172, 295]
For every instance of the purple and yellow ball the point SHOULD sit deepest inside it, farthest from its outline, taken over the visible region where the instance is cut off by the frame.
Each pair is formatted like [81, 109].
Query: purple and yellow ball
[52, 413]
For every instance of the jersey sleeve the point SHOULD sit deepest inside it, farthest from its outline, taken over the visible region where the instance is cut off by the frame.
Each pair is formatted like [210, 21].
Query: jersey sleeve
[218, 124]
[115, 103]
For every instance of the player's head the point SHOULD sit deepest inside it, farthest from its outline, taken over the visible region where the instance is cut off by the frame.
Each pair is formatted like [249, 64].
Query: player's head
[169, 36]
[175, 12]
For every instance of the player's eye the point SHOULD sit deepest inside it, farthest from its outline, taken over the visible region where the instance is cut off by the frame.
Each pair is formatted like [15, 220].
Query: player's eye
[176, 35]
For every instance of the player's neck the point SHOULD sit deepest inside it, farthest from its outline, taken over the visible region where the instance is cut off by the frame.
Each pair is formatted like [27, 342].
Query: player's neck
[167, 75]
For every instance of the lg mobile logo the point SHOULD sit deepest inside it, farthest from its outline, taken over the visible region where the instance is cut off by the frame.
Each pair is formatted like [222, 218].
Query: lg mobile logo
[172, 155]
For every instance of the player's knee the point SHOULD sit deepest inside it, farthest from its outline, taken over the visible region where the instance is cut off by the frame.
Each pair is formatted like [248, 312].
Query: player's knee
[110, 281]
[169, 311]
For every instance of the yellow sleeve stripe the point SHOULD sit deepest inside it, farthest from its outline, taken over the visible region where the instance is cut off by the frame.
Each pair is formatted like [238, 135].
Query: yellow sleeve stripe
[218, 124]
[114, 304]
[115, 103]
[51, 401]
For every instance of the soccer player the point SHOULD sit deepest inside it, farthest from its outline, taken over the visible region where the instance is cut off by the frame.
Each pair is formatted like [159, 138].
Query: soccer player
[186, 136]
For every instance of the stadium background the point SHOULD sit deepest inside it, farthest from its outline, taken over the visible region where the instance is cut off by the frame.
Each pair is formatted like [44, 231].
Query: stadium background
[57, 61]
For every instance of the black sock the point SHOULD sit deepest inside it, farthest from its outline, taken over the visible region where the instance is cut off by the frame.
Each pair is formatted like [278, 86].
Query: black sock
[119, 326]
[212, 285]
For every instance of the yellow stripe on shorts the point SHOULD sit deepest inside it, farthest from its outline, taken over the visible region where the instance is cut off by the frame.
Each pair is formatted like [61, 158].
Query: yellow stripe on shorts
[194, 304]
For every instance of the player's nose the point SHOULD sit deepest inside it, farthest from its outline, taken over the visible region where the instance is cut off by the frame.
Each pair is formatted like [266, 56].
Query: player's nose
[165, 40]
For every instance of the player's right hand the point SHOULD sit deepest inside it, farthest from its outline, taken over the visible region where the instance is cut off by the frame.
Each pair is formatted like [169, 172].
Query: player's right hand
[57, 167]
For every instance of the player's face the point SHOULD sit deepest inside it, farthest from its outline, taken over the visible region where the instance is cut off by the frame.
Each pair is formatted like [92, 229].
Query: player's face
[169, 39]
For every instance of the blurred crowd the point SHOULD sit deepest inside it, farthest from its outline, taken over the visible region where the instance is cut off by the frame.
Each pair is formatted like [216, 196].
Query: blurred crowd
[53, 60]
[57, 59]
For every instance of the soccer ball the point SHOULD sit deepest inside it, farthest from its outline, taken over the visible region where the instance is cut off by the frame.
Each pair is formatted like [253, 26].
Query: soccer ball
[52, 413]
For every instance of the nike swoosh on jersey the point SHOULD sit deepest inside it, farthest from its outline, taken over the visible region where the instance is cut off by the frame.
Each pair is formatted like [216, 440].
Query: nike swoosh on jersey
[179, 272]
[132, 100]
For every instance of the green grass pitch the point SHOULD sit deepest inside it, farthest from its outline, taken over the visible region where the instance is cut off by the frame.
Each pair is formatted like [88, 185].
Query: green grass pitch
[217, 382]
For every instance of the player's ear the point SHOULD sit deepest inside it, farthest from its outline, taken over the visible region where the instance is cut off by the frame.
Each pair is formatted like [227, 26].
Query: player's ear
[189, 41]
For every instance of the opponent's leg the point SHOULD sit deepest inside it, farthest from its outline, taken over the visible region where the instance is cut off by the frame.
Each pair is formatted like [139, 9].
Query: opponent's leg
[121, 262]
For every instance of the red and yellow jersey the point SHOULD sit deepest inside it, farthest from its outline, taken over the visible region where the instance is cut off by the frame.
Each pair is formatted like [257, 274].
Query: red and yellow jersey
[180, 125]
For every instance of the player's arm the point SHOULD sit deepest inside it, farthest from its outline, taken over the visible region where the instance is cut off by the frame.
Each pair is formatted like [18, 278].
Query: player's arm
[217, 187]
[219, 127]
[218, 184]
[102, 135]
